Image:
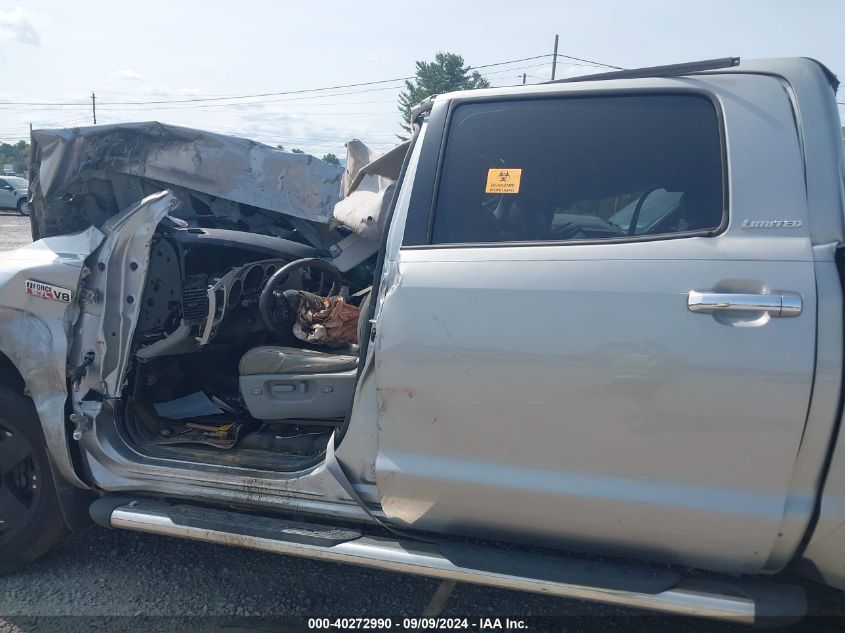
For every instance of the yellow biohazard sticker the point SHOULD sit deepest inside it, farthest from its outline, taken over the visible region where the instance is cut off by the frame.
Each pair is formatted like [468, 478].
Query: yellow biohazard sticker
[501, 180]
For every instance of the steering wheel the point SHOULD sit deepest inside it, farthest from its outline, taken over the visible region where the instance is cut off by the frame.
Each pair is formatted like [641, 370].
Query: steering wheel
[267, 300]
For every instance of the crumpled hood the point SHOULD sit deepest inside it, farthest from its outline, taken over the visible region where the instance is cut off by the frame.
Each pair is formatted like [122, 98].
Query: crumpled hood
[367, 188]
[82, 176]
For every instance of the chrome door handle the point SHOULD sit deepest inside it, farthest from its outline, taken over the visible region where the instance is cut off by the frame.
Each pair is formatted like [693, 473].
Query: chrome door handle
[778, 303]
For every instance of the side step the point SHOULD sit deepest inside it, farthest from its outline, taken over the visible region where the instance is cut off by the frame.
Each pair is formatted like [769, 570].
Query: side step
[736, 600]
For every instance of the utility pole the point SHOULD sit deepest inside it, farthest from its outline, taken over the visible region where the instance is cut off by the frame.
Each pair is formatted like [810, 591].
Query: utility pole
[554, 60]
[523, 79]
[94, 105]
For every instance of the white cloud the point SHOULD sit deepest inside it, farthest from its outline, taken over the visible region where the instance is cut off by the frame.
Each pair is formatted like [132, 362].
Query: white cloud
[128, 73]
[17, 25]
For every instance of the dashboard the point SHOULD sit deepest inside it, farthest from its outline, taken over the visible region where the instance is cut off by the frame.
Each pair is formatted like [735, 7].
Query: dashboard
[240, 288]
[204, 285]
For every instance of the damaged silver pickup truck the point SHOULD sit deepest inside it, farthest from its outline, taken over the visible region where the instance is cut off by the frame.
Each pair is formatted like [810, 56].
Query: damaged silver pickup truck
[601, 315]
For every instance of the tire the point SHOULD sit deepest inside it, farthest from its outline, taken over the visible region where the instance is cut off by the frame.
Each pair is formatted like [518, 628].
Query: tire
[29, 506]
[23, 207]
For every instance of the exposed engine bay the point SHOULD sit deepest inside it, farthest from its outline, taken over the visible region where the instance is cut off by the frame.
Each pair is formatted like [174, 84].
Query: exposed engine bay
[241, 346]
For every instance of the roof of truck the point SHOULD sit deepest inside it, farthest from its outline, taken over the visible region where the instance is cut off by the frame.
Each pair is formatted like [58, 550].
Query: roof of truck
[786, 67]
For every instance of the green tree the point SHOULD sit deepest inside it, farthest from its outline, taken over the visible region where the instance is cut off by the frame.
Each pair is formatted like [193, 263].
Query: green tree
[17, 155]
[296, 150]
[446, 73]
[331, 159]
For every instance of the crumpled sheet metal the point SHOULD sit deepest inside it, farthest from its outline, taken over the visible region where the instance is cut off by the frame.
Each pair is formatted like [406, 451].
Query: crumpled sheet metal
[362, 161]
[326, 320]
[367, 187]
[365, 209]
[357, 156]
[236, 169]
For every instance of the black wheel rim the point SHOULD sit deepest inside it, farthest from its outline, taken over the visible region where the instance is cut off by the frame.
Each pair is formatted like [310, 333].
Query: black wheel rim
[20, 483]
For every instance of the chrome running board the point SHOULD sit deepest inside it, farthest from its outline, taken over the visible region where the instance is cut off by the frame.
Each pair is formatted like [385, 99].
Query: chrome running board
[735, 600]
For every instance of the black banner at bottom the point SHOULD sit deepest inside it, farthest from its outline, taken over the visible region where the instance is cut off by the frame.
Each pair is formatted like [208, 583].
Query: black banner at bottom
[561, 624]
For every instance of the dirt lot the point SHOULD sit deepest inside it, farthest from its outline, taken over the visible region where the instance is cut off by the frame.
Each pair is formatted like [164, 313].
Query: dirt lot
[126, 581]
[14, 230]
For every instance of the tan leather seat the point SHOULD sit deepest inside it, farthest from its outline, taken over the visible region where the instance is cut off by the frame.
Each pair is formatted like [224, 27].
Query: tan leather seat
[272, 359]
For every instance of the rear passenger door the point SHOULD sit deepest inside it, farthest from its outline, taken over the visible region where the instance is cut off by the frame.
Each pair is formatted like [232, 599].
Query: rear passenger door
[549, 364]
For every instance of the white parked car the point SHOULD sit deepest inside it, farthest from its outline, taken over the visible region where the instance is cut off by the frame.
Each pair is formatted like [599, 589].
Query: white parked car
[13, 193]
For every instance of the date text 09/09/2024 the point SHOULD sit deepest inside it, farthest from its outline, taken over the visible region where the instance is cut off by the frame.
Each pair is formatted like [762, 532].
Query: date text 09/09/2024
[479, 624]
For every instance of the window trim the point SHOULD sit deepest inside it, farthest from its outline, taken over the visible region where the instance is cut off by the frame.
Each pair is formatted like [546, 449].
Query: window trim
[443, 139]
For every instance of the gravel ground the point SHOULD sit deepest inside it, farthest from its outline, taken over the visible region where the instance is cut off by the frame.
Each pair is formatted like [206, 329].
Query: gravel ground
[125, 581]
[14, 230]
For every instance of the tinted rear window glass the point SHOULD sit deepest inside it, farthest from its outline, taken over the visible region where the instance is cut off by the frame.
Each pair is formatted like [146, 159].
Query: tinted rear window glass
[580, 169]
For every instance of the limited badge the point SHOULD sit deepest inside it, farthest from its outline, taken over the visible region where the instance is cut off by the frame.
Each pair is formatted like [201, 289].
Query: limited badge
[770, 224]
[48, 291]
[503, 180]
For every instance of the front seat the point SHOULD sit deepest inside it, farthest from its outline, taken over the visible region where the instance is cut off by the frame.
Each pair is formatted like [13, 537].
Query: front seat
[271, 359]
[293, 383]
[290, 383]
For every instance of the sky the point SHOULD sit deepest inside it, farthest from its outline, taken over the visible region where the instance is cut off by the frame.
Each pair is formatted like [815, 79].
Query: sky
[58, 52]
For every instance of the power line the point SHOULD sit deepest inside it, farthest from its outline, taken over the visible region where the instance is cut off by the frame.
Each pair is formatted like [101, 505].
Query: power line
[302, 98]
[255, 96]
[337, 94]
[300, 112]
[80, 111]
[46, 124]
[588, 61]
[510, 70]
[329, 96]
[512, 61]
[240, 106]
[65, 121]
[3, 106]
[71, 106]
[86, 108]
[231, 96]
[260, 95]
[265, 94]
[309, 90]
[50, 103]
[111, 108]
